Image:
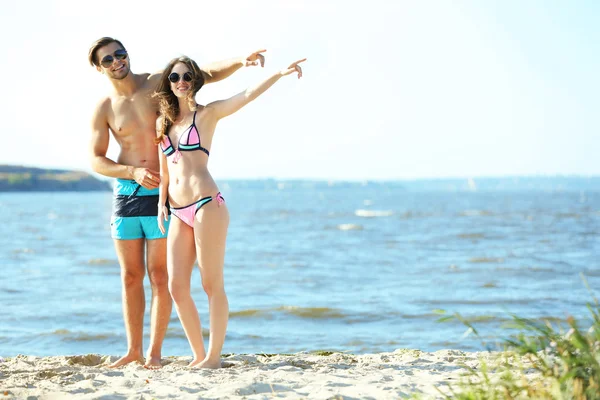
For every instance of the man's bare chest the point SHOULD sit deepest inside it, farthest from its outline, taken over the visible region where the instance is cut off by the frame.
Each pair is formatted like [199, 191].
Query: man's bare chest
[134, 114]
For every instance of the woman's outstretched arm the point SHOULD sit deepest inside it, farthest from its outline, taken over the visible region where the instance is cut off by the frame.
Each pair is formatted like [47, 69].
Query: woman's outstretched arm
[223, 108]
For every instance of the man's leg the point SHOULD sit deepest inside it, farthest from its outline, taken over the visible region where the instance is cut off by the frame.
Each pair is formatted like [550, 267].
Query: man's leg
[131, 259]
[160, 311]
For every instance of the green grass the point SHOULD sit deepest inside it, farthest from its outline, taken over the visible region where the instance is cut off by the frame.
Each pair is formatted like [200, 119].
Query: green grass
[544, 360]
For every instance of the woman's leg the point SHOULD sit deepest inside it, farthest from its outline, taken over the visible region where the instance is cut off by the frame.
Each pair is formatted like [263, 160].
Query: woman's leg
[210, 229]
[181, 254]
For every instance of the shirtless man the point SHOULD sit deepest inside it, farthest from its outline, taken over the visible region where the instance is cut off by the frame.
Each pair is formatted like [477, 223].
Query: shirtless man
[130, 114]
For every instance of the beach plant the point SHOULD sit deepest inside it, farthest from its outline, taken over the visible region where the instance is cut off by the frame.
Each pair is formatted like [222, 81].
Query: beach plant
[544, 360]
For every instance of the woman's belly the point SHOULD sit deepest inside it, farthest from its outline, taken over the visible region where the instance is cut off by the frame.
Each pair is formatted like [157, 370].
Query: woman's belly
[186, 189]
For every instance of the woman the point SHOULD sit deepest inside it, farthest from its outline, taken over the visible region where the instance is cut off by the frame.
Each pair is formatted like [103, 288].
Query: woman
[200, 227]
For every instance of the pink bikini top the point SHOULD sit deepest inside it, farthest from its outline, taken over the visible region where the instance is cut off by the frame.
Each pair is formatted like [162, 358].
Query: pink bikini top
[189, 140]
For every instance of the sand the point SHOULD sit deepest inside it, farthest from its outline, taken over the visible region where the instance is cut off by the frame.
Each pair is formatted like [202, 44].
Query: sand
[310, 376]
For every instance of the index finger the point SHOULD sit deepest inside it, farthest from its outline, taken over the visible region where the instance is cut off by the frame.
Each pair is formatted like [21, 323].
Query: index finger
[295, 63]
[150, 182]
[155, 176]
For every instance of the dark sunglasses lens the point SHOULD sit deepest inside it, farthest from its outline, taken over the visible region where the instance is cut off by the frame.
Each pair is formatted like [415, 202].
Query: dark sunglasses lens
[187, 77]
[174, 77]
[121, 54]
[107, 61]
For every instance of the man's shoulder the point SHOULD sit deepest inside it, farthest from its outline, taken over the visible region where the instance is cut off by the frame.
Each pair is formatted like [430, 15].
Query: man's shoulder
[152, 77]
[143, 76]
[104, 104]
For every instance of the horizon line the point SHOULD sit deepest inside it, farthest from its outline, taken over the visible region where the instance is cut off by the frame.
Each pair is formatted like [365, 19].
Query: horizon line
[330, 179]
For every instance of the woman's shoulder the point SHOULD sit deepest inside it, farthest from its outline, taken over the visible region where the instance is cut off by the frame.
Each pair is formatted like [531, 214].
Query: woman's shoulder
[203, 110]
[199, 107]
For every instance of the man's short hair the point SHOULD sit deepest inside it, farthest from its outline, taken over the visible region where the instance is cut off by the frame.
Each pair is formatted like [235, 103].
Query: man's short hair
[92, 55]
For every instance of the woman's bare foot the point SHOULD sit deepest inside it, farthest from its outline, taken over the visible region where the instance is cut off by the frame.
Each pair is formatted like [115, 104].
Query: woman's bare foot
[153, 363]
[210, 364]
[127, 359]
[195, 362]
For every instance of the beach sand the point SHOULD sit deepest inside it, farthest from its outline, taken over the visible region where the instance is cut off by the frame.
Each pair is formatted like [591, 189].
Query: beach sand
[391, 375]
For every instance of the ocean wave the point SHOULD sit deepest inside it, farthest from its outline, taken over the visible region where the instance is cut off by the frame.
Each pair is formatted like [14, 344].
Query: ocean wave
[486, 260]
[436, 315]
[526, 268]
[350, 227]
[247, 313]
[315, 313]
[10, 290]
[475, 213]
[591, 272]
[465, 302]
[312, 312]
[178, 333]
[302, 312]
[489, 285]
[589, 233]
[568, 215]
[318, 313]
[101, 261]
[414, 215]
[471, 235]
[373, 213]
[70, 336]
[23, 251]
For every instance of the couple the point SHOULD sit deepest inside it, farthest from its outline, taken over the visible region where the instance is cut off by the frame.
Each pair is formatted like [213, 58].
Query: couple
[143, 111]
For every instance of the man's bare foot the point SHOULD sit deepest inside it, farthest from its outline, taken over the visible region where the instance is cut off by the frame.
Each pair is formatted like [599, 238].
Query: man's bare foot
[153, 363]
[126, 359]
[210, 364]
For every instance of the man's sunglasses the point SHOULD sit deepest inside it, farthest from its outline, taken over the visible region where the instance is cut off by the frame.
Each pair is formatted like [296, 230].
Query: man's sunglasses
[107, 61]
[174, 77]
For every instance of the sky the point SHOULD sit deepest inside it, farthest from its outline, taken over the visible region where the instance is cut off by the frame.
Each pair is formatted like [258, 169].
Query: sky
[392, 89]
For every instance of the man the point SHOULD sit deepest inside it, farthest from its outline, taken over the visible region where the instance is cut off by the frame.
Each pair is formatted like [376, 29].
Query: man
[130, 113]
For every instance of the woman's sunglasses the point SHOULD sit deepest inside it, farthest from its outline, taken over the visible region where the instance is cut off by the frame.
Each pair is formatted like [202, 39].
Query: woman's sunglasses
[174, 77]
[107, 61]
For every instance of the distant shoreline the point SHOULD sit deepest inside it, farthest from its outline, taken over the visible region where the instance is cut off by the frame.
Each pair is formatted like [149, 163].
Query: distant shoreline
[14, 178]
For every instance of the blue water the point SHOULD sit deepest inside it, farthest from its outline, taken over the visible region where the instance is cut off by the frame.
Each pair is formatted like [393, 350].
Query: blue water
[359, 267]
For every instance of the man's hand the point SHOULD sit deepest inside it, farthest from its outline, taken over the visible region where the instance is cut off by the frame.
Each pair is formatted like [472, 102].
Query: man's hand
[255, 59]
[146, 177]
[294, 67]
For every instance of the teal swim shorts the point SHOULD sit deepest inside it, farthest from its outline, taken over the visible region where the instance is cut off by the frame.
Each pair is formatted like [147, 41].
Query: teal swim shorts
[134, 212]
